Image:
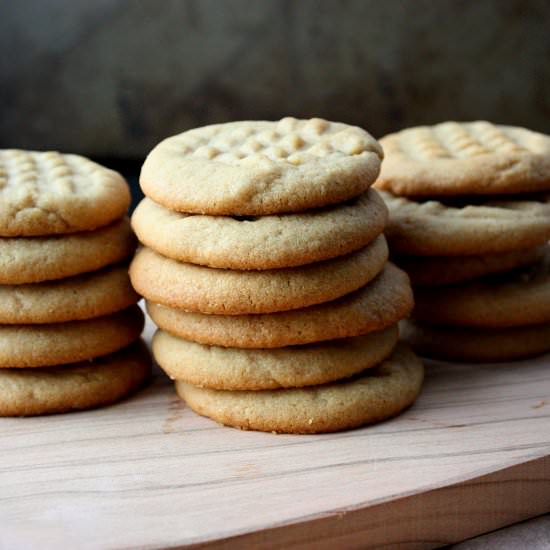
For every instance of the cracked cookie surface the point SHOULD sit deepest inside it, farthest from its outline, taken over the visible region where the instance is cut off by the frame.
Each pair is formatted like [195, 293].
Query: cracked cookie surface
[49, 193]
[261, 167]
[458, 158]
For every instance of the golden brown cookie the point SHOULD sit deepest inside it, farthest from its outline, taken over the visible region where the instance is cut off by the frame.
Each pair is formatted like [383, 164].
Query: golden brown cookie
[80, 297]
[229, 292]
[47, 193]
[445, 270]
[476, 344]
[377, 305]
[506, 300]
[260, 167]
[459, 158]
[377, 394]
[48, 390]
[70, 342]
[433, 228]
[262, 369]
[264, 242]
[37, 259]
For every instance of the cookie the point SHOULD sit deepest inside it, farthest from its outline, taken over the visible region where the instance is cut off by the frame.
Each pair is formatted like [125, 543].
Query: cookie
[27, 392]
[444, 270]
[459, 158]
[265, 242]
[260, 167]
[507, 300]
[433, 228]
[47, 193]
[62, 343]
[37, 259]
[375, 306]
[476, 344]
[264, 369]
[370, 397]
[80, 297]
[229, 292]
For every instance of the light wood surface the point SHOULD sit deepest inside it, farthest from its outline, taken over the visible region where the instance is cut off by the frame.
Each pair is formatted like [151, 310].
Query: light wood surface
[472, 455]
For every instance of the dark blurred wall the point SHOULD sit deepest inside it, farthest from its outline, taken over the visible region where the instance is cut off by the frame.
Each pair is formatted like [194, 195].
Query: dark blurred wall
[110, 78]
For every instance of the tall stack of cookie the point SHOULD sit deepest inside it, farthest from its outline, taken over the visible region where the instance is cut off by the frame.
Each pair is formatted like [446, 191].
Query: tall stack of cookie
[470, 222]
[68, 318]
[265, 269]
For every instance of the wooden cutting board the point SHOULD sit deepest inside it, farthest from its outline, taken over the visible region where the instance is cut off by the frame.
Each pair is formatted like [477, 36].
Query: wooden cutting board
[472, 455]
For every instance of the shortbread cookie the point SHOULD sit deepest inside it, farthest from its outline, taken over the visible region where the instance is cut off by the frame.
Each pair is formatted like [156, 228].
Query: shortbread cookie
[263, 369]
[265, 242]
[458, 158]
[47, 193]
[228, 292]
[27, 392]
[36, 259]
[377, 305]
[61, 343]
[260, 167]
[476, 344]
[507, 300]
[432, 228]
[444, 270]
[370, 397]
[80, 297]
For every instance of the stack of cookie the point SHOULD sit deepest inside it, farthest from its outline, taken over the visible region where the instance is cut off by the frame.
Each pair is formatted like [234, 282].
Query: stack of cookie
[265, 268]
[67, 309]
[470, 222]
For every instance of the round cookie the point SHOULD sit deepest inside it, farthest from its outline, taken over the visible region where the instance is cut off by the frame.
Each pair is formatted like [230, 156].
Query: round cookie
[445, 270]
[229, 292]
[265, 242]
[37, 259]
[507, 300]
[80, 297]
[47, 193]
[62, 343]
[377, 394]
[433, 228]
[377, 305]
[28, 392]
[264, 369]
[261, 167]
[459, 158]
[477, 344]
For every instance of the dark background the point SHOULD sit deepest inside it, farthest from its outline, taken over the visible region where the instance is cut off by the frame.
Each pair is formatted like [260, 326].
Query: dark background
[110, 78]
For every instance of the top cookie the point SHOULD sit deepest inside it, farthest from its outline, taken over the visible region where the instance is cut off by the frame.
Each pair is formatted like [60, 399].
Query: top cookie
[48, 193]
[455, 158]
[260, 167]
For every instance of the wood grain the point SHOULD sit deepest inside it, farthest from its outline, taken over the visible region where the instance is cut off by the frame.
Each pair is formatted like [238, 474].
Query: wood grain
[472, 455]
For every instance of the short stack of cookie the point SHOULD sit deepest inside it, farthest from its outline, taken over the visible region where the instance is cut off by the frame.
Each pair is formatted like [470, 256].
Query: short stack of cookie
[69, 326]
[265, 268]
[470, 223]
